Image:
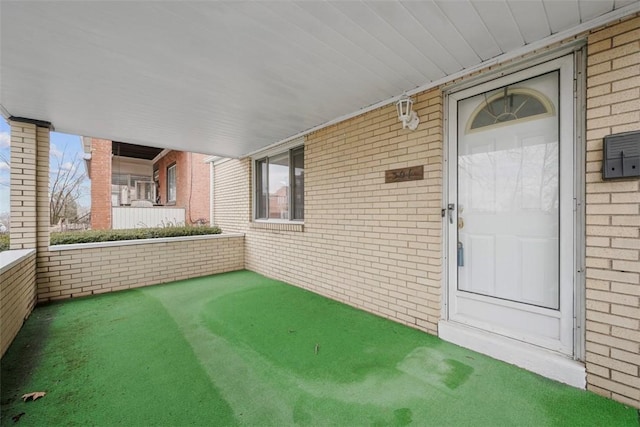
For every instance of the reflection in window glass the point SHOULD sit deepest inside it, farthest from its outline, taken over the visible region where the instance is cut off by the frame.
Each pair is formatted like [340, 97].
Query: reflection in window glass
[279, 186]
[297, 156]
[508, 193]
[262, 183]
[510, 104]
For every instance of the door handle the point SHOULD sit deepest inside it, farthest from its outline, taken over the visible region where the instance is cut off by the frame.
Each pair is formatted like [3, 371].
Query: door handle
[450, 208]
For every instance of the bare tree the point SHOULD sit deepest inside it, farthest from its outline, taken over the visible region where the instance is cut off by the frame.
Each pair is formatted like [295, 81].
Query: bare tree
[4, 160]
[65, 186]
[5, 216]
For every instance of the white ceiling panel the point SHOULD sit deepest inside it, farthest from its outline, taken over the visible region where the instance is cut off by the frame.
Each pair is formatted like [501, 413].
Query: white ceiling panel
[531, 18]
[466, 20]
[396, 41]
[345, 40]
[500, 23]
[433, 19]
[592, 9]
[622, 3]
[562, 14]
[303, 55]
[355, 24]
[431, 50]
[228, 78]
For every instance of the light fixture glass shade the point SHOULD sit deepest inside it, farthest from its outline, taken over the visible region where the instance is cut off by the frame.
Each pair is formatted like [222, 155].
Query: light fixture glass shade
[404, 106]
[407, 116]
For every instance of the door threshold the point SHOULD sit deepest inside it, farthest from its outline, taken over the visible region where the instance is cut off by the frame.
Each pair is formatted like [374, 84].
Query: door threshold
[530, 357]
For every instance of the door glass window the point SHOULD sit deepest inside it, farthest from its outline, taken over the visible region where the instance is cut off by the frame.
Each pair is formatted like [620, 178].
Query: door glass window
[509, 104]
[508, 188]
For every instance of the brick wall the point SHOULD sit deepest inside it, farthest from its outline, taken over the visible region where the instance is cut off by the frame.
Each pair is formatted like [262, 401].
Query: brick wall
[100, 184]
[42, 197]
[192, 183]
[80, 270]
[162, 164]
[23, 180]
[199, 190]
[29, 210]
[17, 293]
[378, 246]
[613, 217]
[232, 201]
[373, 245]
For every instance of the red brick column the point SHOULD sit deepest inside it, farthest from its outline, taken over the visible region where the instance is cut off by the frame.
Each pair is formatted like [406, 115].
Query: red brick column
[100, 175]
[199, 189]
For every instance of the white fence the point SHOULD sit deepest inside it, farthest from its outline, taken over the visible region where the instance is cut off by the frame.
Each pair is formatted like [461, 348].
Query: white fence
[129, 217]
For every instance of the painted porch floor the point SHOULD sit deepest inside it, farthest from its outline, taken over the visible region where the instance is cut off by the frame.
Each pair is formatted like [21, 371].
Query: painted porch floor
[240, 349]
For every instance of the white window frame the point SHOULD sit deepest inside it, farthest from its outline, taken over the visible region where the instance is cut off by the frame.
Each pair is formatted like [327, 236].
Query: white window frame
[175, 185]
[578, 50]
[140, 189]
[271, 152]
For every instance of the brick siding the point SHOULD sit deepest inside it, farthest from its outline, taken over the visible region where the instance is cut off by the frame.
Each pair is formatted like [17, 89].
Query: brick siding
[69, 272]
[373, 245]
[378, 246]
[232, 204]
[100, 184]
[23, 185]
[192, 183]
[17, 296]
[613, 217]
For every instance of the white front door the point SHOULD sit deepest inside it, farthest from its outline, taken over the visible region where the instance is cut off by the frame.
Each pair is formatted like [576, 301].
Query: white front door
[510, 215]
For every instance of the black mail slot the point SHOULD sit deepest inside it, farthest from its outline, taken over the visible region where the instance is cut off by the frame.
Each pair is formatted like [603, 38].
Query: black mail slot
[621, 155]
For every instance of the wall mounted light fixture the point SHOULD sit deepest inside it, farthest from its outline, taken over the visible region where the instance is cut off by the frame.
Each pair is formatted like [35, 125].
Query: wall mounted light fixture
[407, 116]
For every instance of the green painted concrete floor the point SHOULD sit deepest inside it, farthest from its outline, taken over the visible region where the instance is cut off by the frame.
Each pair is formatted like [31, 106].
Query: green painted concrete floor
[241, 349]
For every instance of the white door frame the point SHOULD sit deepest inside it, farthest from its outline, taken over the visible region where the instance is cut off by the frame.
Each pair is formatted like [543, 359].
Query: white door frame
[538, 359]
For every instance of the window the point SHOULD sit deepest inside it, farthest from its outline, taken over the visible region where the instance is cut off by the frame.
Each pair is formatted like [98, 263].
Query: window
[280, 186]
[145, 190]
[171, 184]
[124, 188]
[507, 105]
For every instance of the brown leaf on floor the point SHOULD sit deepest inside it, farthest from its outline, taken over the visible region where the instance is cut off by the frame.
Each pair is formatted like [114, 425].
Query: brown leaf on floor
[33, 395]
[16, 418]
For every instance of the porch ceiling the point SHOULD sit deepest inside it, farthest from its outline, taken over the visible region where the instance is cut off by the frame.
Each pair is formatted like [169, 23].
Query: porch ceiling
[228, 78]
[133, 150]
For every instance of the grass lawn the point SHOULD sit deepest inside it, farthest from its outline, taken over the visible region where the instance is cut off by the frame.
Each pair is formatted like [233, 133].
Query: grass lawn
[241, 349]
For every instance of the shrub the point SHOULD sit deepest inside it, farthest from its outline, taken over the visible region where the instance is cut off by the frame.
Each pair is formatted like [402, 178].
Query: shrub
[90, 236]
[4, 242]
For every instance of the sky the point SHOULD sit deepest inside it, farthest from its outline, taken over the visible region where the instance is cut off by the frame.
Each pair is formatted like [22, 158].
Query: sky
[65, 152]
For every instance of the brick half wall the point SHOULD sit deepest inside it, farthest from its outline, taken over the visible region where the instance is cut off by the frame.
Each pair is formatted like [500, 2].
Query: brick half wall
[78, 270]
[17, 292]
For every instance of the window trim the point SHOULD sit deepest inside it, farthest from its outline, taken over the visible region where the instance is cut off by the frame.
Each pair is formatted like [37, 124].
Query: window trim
[538, 96]
[293, 186]
[289, 147]
[141, 184]
[175, 176]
